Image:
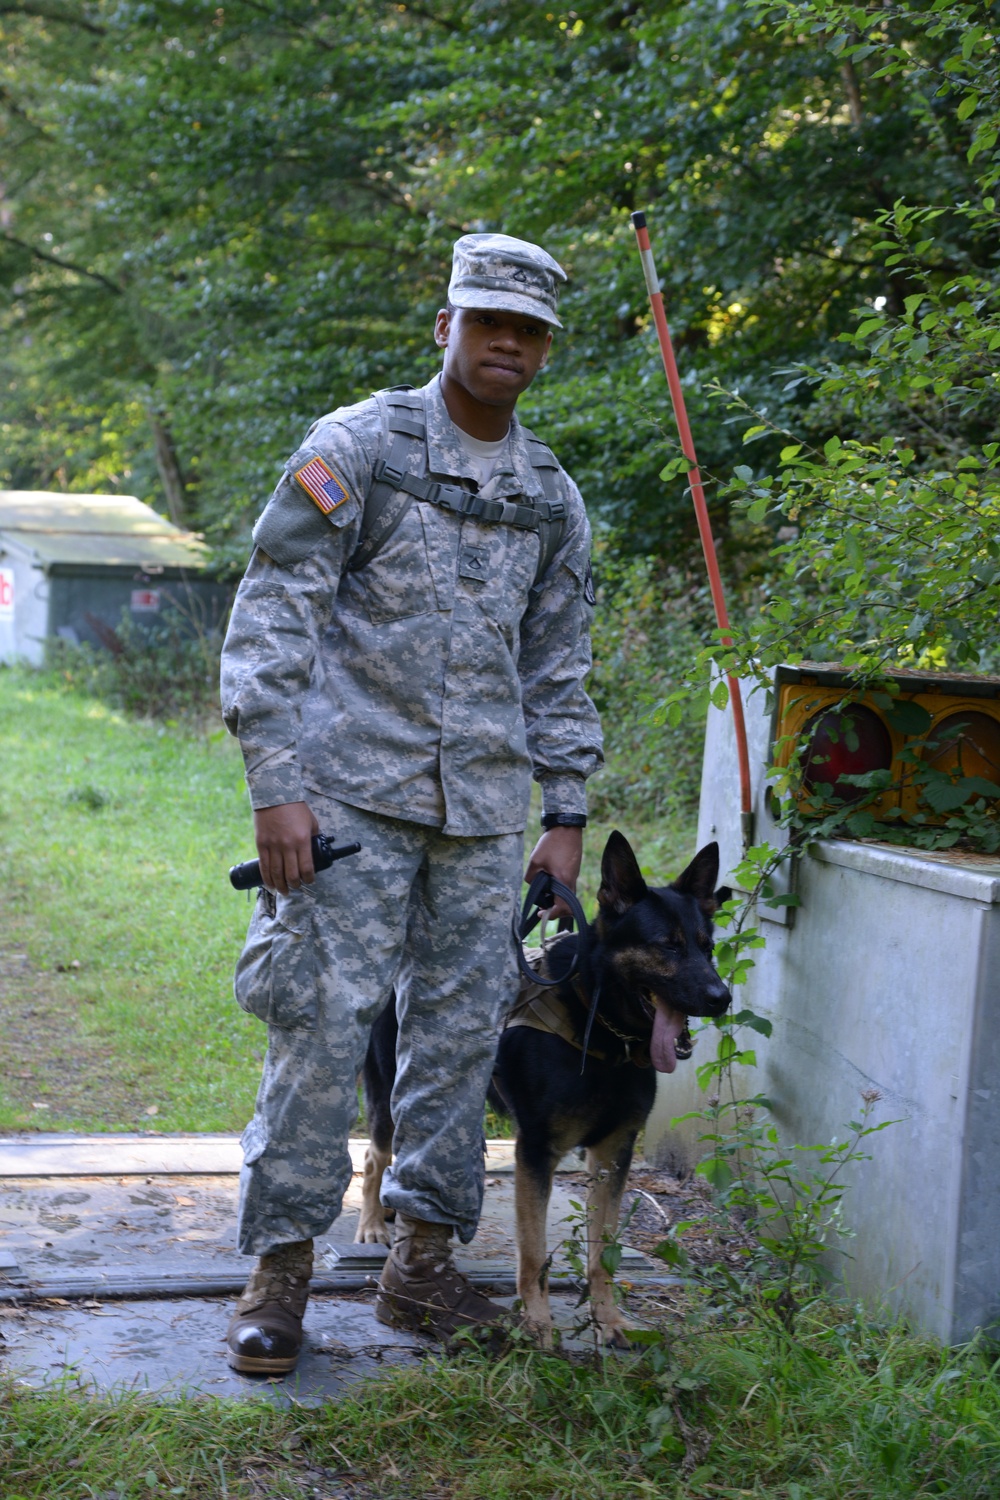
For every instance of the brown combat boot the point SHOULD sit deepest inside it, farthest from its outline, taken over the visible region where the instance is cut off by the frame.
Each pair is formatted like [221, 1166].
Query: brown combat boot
[421, 1288]
[265, 1332]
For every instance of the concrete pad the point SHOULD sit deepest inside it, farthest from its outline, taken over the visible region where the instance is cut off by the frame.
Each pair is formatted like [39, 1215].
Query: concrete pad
[179, 1345]
[117, 1280]
[170, 1347]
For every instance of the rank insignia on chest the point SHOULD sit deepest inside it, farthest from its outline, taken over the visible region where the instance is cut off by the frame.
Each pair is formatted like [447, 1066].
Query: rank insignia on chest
[321, 485]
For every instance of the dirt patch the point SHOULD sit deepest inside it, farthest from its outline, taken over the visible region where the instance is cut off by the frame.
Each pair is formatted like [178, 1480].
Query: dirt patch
[654, 1202]
[657, 1202]
[54, 1074]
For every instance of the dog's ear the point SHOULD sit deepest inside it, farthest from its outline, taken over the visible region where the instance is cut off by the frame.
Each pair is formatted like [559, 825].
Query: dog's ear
[699, 878]
[622, 884]
[717, 899]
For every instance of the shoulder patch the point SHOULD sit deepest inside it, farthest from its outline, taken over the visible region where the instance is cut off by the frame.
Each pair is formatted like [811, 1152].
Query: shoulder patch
[321, 485]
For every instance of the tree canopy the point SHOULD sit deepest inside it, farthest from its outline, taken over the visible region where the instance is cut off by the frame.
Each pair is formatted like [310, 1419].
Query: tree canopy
[221, 219]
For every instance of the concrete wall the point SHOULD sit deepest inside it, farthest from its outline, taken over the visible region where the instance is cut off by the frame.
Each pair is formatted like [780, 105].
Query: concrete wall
[22, 632]
[888, 978]
[62, 600]
[105, 593]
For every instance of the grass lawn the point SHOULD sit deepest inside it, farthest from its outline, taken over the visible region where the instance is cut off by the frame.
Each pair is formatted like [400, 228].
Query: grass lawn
[846, 1410]
[119, 929]
[117, 939]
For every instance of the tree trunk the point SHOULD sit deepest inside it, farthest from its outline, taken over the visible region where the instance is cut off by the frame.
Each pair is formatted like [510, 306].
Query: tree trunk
[853, 91]
[169, 469]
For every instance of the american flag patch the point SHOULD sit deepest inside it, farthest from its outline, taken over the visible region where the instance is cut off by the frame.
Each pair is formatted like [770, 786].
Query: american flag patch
[321, 485]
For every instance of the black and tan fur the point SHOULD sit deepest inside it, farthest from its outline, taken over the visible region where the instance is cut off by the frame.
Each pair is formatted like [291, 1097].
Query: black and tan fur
[651, 952]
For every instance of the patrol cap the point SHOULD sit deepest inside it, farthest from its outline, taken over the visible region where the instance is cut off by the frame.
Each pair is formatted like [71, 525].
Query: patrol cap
[497, 271]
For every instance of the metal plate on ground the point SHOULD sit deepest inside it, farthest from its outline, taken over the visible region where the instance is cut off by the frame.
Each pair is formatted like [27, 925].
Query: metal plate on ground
[170, 1347]
[83, 1256]
[164, 1236]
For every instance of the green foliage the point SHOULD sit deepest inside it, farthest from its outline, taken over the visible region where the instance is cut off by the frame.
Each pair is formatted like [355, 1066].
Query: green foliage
[220, 221]
[882, 497]
[169, 670]
[788, 1199]
[648, 626]
[851, 1408]
[889, 553]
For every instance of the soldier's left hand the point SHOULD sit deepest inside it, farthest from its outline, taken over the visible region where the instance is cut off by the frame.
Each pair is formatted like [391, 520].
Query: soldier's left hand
[559, 853]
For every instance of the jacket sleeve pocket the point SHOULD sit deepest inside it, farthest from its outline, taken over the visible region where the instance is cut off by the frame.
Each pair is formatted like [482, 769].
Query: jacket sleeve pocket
[276, 974]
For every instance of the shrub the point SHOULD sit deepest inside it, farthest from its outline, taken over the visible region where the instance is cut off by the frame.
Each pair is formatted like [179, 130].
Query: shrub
[169, 670]
[651, 620]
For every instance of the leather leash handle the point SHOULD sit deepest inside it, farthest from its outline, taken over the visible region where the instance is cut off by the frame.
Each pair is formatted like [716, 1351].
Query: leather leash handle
[542, 893]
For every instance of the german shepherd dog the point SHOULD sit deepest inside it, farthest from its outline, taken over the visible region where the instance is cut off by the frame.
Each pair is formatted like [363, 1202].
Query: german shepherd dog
[650, 964]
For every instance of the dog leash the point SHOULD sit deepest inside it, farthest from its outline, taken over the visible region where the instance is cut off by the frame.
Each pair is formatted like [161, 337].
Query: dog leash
[542, 893]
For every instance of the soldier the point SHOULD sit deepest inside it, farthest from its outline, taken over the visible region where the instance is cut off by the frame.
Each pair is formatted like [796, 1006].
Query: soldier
[407, 648]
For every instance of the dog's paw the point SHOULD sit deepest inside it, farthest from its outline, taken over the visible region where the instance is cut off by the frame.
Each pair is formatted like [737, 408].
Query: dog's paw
[373, 1232]
[539, 1333]
[534, 1318]
[615, 1333]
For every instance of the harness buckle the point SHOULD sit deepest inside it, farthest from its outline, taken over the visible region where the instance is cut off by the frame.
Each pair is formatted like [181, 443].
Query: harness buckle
[448, 497]
[391, 473]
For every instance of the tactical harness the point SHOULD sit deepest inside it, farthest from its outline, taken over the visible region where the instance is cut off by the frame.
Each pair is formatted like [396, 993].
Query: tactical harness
[394, 486]
[549, 1012]
[531, 1009]
[542, 1012]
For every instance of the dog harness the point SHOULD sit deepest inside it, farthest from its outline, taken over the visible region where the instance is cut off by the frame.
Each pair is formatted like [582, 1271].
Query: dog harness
[395, 485]
[538, 1008]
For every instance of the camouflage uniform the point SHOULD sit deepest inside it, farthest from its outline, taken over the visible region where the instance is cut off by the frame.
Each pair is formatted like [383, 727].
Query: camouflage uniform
[431, 914]
[409, 704]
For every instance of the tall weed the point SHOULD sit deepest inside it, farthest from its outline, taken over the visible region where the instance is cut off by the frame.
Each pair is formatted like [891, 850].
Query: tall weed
[651, 621]
[169, 670]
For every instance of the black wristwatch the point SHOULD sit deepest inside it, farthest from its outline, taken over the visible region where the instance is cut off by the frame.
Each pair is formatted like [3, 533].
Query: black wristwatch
[564, 820]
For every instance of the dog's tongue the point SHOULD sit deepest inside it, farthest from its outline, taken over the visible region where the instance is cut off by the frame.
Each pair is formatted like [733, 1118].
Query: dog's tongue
[667, 1027]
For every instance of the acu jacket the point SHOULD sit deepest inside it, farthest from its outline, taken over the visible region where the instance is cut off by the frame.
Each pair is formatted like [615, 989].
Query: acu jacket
[432, 682]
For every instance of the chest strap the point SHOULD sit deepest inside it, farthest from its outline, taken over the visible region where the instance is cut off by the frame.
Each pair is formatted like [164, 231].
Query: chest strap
[394, 487]
[540, 1008]
[462, 502]
[543, 1009]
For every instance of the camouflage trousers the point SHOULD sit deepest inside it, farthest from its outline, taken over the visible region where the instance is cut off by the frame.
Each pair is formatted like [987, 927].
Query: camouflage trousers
[430, 915]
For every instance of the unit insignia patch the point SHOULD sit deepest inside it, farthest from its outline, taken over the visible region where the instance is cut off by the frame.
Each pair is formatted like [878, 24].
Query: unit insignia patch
[321, 485]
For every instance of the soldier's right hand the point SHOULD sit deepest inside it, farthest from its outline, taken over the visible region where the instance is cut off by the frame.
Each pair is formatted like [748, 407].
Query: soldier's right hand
[284, 845]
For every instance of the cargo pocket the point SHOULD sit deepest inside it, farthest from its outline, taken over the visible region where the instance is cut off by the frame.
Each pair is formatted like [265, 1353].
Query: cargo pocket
[500, 562]
[398, 581]
[254, 1142]
[276, 976]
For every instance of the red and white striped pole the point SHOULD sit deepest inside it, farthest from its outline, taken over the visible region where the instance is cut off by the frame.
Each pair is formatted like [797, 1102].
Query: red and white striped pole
[700, 509]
